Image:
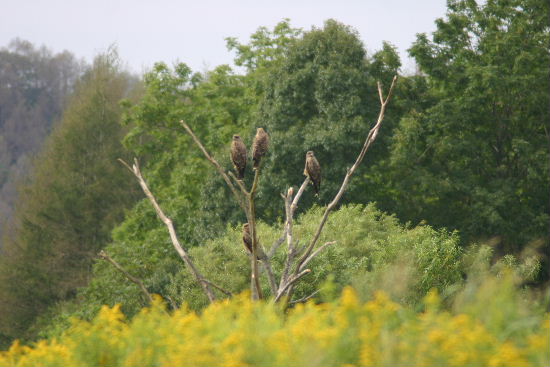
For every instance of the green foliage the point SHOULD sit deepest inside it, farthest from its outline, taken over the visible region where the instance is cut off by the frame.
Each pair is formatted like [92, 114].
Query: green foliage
[66, 212]
[215, 107]
[372, 250]
[477, 159]
[266, 47]
[322, 96]
[317, 100]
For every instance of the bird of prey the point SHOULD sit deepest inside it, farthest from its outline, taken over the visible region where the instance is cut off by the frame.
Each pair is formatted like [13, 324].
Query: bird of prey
[259, 147]
[238, 156]
[313, 171]
[247, 240]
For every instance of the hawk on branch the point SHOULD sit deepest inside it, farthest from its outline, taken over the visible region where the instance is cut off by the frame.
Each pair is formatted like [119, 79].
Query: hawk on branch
[313, 171]
[247, 240]
[259, 147]
[238, 156]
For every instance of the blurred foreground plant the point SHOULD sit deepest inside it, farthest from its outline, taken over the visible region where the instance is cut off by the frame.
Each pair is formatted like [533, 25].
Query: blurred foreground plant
[240, 332]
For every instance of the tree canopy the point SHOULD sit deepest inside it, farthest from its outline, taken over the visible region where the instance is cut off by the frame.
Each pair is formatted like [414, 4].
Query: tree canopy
[477, 159]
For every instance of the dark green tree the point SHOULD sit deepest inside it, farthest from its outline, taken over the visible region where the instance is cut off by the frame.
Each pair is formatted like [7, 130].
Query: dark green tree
[322, 98]
[66, 212]
[477, 159]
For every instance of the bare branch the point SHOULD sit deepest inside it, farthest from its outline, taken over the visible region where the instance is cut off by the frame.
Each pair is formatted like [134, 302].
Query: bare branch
[288, 233]
[216, 164]
[252, 224]
[175, 242]
[371, 137]
[380, 94]
[316, 252]
[126, 165]
[264, 260]
[270, 275]
[294, 204]
[305, 299]
[224, 291]
[239, 183]
[290, 282]
[254, 188]
[277, 244]
[103, 255]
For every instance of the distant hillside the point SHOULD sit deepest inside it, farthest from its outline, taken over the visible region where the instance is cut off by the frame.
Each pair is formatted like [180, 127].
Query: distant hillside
[34, 85]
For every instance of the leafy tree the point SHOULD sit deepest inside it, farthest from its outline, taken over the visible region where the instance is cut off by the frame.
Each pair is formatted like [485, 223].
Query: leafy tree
[266, 47]
[321, 98]
[66, 212]
[214, 104]
[477, 159]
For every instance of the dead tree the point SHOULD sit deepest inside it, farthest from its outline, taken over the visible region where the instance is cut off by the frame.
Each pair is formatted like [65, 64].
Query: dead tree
[297, 258]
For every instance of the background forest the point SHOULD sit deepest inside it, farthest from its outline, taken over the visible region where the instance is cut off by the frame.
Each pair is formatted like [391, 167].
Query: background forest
[454, 196]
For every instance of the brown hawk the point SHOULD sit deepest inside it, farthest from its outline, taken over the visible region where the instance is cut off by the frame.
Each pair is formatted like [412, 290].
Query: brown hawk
[247, 240]
[313, 171]
[238, 156]
[259, 147]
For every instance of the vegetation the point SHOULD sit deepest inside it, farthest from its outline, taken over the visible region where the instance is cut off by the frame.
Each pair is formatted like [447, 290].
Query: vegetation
[347, 331]
[65, 215]
[34, 86]
[476, 159]
[457, 276]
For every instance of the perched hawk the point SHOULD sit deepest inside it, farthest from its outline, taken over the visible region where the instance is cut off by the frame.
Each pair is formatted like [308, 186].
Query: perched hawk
[313, 171]
[238, 156]
[247, 240]
[259, 147]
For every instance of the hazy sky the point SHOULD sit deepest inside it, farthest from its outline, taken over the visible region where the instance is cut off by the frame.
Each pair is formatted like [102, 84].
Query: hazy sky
[194, 31]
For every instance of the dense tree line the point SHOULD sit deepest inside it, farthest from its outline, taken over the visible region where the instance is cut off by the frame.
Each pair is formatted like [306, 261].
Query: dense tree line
[66, 212]
[465, 146]
[34, 85]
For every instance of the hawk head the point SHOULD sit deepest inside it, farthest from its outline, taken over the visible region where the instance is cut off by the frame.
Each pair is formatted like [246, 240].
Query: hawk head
[309, 153]
[236, 137]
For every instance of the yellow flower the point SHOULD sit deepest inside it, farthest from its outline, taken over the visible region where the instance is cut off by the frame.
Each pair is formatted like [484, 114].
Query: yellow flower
[508, 355]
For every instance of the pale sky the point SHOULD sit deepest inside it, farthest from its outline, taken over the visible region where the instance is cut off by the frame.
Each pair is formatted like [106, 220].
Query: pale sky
[193, 31]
